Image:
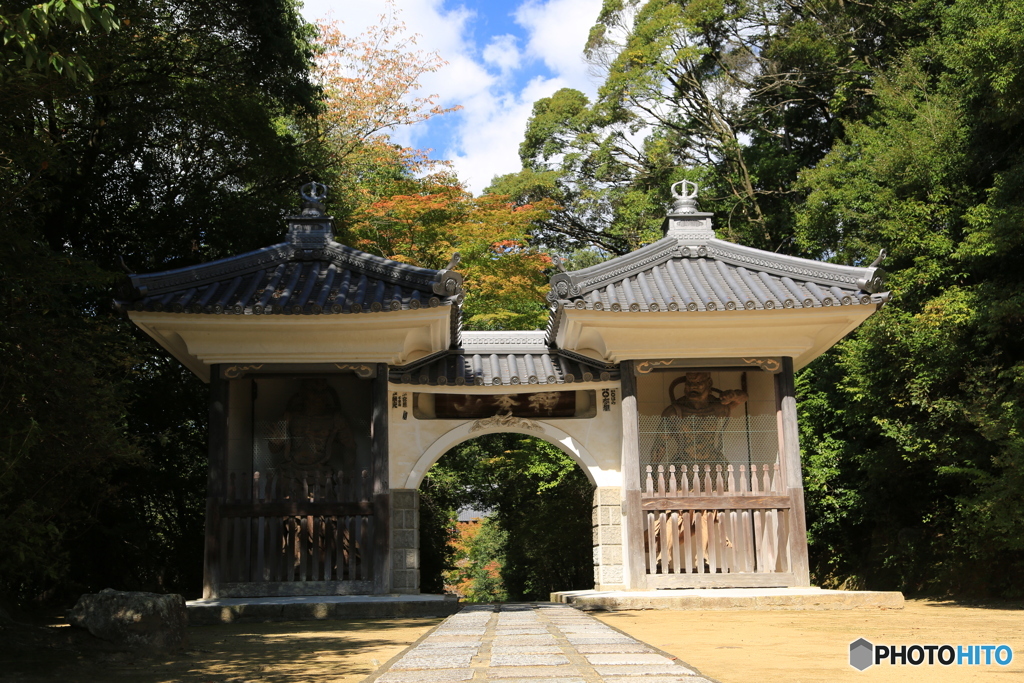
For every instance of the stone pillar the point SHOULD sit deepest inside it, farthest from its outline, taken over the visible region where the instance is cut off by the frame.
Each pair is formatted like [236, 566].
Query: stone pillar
[405, 541]
[608, 572]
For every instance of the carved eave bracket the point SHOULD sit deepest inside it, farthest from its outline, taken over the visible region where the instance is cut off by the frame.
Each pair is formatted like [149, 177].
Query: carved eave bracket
[506, 421]
[239, 370]
[771, 365]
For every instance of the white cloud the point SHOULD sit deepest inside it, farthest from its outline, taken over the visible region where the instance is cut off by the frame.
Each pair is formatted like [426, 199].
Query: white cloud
[485, 135]
[437, 28]
[503, 52]
[493, 128]
[558, 32]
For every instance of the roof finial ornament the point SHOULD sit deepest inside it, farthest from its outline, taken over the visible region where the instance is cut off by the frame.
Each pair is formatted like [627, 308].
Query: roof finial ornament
[685, 199]
[312, 195]
[685, 222]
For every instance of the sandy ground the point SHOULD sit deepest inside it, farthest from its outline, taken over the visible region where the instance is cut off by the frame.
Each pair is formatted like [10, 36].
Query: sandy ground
[733, 647]
[813, 647]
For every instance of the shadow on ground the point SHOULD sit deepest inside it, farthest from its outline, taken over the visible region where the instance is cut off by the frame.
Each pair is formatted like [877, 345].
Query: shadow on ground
[286, 651]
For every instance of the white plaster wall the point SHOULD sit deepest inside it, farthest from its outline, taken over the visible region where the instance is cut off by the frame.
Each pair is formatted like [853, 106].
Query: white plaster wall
[416, 444]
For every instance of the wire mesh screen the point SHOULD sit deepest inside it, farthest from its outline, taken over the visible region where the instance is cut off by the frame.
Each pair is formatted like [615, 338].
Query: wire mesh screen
[708, 440]
[707, 417]
[308, 426]
[269, 437]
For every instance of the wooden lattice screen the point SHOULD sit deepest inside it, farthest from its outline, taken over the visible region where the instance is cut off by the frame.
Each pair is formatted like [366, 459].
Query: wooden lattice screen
[296, 533]
[716, 526]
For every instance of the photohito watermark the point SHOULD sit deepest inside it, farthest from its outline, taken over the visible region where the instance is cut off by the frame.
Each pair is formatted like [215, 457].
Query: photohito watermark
[864, 654]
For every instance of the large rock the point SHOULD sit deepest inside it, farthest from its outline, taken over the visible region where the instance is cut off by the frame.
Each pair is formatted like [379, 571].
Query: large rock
[144, 621]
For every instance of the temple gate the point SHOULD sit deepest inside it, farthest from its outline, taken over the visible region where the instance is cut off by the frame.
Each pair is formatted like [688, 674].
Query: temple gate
[338, 378]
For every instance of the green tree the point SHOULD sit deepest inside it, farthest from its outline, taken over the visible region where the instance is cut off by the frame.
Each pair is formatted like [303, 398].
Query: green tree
[929, 439]
[32, 38]
[539, 499]
[568, 159]
[737, 96]
[64, 403]
[168, 141]
[477, 562]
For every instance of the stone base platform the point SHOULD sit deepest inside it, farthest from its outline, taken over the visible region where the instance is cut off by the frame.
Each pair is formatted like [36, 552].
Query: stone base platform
[730, 599]
[307, 607]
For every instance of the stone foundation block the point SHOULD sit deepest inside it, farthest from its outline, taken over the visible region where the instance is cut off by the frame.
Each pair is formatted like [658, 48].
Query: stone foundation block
[608, 516]
[403, 499]
[607, 535]
[605, 555]
[404, 538]
[608, 495]
[608, 575]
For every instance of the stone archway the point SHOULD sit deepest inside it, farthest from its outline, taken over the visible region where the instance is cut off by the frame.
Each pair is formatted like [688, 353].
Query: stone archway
[607, 484]
[524, 502]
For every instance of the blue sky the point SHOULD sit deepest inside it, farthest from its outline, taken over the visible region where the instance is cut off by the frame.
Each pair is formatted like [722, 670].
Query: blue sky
[502, 56]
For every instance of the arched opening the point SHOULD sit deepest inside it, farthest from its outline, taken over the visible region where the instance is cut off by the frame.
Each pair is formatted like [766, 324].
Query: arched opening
[528, 528]
[571, 446]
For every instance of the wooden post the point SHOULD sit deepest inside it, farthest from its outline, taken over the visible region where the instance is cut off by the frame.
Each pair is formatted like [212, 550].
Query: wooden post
[215, 483]
[381, 483]
[636, 568]
[793, 473]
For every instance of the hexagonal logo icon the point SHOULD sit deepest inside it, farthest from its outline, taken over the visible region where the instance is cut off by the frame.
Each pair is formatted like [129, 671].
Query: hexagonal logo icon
[861, 654]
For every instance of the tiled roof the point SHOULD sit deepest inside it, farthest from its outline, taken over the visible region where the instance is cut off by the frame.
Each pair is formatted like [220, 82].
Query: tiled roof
[504, 358]
[688, 272]
[705, 274]
[283, 284]
[470, 514]
[718, 276]
[310, 274]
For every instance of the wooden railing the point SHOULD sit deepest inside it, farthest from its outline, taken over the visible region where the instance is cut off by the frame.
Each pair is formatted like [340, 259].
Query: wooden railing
[292, 528]
[710, 525]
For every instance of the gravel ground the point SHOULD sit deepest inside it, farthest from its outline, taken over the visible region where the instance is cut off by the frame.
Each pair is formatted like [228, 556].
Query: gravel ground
[729, 646]
[813, 646]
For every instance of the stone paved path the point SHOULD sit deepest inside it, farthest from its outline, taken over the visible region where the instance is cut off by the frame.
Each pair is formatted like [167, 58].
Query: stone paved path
[532, 643]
